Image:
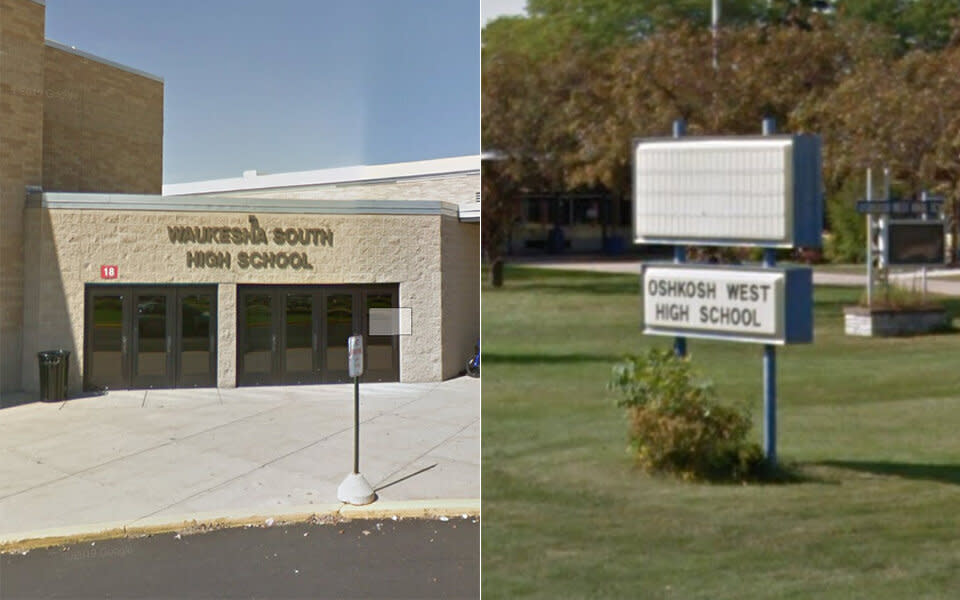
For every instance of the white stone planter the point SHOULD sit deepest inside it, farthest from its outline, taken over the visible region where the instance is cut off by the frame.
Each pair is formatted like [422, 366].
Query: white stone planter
[861, 321]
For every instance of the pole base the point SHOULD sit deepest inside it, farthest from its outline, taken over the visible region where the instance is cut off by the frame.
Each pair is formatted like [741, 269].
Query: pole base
[355, 490]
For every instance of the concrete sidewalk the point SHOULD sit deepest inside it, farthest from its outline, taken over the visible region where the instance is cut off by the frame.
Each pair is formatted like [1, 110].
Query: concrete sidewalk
[134, 457]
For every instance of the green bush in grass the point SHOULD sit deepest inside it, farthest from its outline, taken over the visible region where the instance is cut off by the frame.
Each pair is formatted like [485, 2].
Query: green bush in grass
[676, 424]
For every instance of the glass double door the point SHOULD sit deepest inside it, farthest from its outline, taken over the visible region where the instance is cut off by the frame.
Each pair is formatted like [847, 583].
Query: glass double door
[298, 334]
[150, 337]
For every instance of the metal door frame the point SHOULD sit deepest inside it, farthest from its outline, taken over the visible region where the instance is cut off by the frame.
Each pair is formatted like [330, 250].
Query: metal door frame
[183, 381]
[320, 294]
[129, 338]
[153, 381]
[272, 376]
[126, 298]
[382, 375]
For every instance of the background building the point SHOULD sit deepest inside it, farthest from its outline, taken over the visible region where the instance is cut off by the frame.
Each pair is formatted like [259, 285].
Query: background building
[69, 122]
[252, 280]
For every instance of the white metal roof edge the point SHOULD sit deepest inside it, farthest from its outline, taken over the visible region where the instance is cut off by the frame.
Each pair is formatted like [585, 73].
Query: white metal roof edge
[150, 202]
[470, 213]
[688, 143]
[100, 59]
[353, 174]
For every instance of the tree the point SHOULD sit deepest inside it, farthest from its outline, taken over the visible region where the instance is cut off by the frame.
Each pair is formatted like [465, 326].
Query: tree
[526, 85]
[498, 208]
[604, 23]
[916, 24]
[903, 114]
[566, 90]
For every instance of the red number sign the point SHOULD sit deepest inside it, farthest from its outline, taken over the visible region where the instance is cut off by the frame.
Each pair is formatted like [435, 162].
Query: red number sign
[108, 271]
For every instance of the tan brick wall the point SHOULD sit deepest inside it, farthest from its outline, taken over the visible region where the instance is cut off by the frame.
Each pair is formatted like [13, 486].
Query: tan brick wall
[102, 127]
[461, 293]
[21, 138]
[72, 245]
[457, 188]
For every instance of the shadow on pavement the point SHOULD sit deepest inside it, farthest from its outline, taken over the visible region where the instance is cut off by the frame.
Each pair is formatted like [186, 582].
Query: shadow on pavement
[404, 478]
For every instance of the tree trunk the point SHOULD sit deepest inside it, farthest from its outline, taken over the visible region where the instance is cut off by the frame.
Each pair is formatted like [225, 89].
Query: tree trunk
[496, 273]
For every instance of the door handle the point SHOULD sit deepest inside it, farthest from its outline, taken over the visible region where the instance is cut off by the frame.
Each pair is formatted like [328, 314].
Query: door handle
[169, 344]
[273, 342]
[123, 344]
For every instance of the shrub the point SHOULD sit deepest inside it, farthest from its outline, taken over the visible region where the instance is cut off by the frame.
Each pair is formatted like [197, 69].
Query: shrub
[677, 426]
[898, 297]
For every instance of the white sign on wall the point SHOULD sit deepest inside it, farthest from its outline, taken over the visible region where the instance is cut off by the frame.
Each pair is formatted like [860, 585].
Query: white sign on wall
[738, 304]
[729, 191]
[390, 321]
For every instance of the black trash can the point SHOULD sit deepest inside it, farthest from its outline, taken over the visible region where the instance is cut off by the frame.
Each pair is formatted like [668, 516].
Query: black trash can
[54, 369]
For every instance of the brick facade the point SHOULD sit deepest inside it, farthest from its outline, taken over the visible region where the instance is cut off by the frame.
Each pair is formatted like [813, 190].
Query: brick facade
[68, 122]
[21, 162]
[457, 187]
[102, 127]
[433, 258]
[71, 122]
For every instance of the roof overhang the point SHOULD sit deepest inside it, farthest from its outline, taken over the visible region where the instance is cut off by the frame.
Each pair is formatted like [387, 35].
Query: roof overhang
[151, 202]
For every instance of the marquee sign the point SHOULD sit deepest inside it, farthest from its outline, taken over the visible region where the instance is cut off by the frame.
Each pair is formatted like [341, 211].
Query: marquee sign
[768, 306]
[731, 191]
[914, 242]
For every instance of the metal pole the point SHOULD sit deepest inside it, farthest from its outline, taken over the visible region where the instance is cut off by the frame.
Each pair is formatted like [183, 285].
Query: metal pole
[714, 24]
[679, 252]
[356, 425]
[769, 126]
[770, 357]
[869, 242]
[770, 383]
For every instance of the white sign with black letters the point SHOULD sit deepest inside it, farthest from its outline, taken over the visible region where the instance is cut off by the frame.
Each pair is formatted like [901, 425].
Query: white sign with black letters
[740, 304]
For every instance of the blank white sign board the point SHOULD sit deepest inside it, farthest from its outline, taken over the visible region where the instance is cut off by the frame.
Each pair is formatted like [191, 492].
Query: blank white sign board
[738, 191]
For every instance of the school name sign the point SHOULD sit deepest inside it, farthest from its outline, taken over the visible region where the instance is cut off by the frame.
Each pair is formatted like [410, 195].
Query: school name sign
[253, 235]
[769, 306]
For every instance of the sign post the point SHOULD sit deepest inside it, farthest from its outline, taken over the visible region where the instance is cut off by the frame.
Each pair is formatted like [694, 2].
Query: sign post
[770, 356]
[903, 239]
[679, 251]
[355, 489]
[759, 191]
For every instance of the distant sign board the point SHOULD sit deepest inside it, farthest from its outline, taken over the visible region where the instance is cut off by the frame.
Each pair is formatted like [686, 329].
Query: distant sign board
[732, 191]
[900, 207]
[745, 304]
[108, 271]
[355, 355]
[915, 242]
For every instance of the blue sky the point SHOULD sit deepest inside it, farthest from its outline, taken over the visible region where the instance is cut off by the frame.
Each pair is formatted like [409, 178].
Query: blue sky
[290, 85]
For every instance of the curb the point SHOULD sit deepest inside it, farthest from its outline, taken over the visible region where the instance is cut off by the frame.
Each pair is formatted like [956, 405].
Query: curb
[211, 521]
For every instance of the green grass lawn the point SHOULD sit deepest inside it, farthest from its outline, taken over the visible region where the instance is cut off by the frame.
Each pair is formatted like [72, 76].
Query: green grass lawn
[871, 425]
